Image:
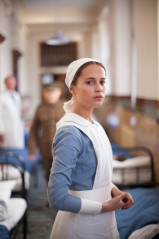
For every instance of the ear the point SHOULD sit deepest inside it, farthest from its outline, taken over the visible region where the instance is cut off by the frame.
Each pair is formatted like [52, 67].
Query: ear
[71, 89]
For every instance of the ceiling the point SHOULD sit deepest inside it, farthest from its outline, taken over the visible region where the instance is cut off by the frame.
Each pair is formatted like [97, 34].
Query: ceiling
[41, 14]
[73, 18]
[46, 4]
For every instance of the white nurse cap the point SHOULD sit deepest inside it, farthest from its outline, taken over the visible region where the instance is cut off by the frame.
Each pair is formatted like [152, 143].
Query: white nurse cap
[71, 71]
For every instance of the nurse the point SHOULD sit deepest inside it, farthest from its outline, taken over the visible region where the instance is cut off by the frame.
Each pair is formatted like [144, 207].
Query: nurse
[11, 123]
[80, 185]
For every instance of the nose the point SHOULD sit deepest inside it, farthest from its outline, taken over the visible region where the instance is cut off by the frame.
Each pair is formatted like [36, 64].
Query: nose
[98, 87]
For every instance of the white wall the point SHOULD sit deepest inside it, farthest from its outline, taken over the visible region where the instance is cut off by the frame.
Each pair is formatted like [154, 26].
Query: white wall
[6, 46]
[108, 39]
[120, 37]
[15, 34]
[147, 54]
[146, 40]
[101, 44]
[158, 48]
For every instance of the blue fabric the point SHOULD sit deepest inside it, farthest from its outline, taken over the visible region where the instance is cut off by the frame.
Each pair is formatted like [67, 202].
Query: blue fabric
[26, 137]
[4, 234]
[29, 165]
[74, 167]
[145, 211]
[118, 150]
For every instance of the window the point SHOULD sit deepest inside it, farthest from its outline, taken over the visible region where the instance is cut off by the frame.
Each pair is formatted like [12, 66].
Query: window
[59, 55]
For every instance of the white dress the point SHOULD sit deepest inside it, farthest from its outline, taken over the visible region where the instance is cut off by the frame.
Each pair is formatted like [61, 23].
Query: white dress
[87, 225]
[11, 124]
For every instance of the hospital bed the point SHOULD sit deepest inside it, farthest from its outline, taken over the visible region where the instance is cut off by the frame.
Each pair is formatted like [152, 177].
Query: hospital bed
[133, 167]
[133, 172]
[13, 206]
[30, 166]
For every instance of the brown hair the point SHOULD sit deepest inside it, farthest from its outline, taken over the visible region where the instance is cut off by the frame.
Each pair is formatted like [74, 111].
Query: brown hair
[79, 71]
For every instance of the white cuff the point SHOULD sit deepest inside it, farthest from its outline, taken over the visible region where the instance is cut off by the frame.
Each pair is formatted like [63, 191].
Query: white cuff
[90, 207]
[113, 185]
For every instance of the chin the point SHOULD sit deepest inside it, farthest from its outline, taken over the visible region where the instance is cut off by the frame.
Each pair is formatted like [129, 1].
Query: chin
[98, 105]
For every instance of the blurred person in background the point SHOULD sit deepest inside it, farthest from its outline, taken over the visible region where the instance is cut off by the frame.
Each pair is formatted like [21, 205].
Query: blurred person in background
[44, 125]
[11, 123]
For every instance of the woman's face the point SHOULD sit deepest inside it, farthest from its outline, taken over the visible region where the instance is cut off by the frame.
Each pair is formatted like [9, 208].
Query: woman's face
[89, 91]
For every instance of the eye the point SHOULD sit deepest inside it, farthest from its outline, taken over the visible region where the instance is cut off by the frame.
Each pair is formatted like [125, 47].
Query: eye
[89, 82]
[102, 82]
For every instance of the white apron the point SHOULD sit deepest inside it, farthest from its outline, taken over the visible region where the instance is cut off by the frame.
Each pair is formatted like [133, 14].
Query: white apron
[69, 225]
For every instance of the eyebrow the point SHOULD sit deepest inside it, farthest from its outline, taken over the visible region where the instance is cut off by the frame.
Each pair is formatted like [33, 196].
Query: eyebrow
[93, 78]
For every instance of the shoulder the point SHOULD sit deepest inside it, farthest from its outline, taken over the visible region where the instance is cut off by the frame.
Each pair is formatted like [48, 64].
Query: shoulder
[40, 107]
[4, 96]
[69, 135]
[4, 93]
[70, 131]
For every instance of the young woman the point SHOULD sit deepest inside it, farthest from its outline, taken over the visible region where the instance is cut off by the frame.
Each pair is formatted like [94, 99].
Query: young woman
[80, 185]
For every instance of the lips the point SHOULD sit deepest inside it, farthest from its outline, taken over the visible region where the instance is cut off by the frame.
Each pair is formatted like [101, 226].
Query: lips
[98, 97]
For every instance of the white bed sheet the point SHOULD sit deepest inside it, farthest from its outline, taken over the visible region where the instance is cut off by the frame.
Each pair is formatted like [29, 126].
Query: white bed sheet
[146, 232]
[16, 210]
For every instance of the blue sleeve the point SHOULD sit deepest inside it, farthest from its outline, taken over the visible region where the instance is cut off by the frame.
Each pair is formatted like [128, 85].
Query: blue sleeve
[67, 147]
[4, 233]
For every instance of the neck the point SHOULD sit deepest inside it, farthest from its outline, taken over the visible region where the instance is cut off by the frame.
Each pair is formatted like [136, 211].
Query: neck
[87, 114]
[11, 90]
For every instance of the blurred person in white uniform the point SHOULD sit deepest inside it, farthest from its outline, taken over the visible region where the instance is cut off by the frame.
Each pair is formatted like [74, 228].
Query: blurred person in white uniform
[11, 123]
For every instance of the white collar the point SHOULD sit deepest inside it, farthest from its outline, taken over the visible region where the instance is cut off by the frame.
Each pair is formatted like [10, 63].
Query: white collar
[74, 118]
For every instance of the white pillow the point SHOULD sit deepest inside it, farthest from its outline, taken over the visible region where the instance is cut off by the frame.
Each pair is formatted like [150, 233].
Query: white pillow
[6, 189]
[5, 195]
[147, 232]
[3, 211]
[7, 184]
